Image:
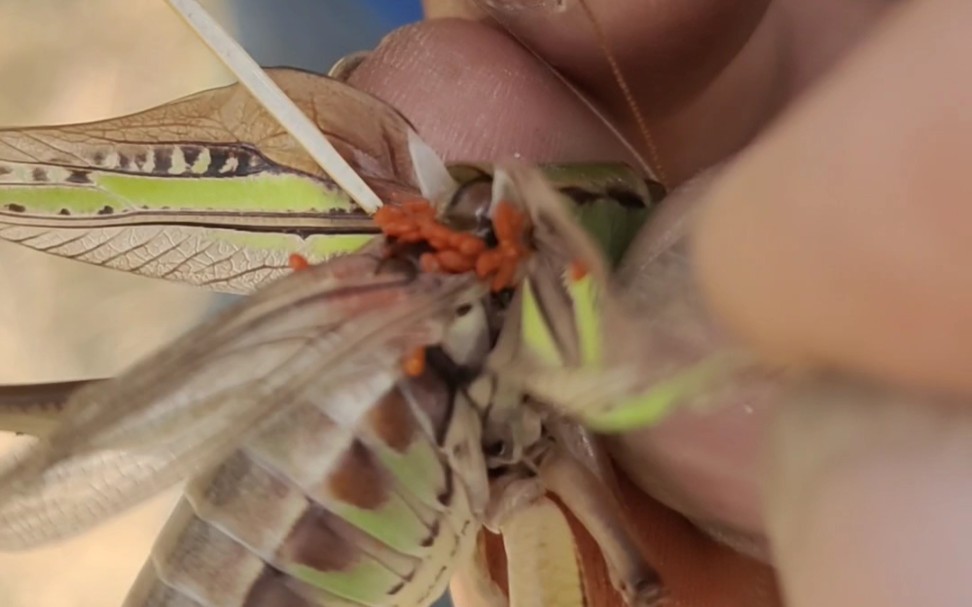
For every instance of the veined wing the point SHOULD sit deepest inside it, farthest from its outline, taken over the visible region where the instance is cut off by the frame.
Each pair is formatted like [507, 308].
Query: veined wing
[209, 190]
[336, 328]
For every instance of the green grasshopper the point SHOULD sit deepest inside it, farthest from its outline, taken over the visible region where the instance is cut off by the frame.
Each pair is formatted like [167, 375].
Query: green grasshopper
[319, 471]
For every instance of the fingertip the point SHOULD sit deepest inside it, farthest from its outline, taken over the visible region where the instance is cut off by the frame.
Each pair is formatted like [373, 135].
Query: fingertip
[867, 498]
[839, 239]
[474, 94]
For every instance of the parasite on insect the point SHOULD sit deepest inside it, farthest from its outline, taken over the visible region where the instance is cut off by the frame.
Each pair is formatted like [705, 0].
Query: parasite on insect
[405, 376]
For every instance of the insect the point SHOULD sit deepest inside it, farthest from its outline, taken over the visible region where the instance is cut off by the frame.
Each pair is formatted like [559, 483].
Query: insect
[349, 428]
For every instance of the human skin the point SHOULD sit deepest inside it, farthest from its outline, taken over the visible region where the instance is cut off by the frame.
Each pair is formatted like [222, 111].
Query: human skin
[833, 238]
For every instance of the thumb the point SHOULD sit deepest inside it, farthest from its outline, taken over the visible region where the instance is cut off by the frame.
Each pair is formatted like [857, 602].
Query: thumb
[843, 237]
[869, 499]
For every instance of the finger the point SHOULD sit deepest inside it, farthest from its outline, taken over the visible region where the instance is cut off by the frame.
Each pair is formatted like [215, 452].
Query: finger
[843, 238]
[474, 94]
[704, 462]
[441, 9]
[870, 498]
[697, 570]
[702, 73]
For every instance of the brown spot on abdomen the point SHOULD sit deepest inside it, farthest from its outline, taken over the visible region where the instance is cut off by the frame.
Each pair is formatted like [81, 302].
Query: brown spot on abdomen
[359, 479]
[316, 541]
[271, 589]
[393, 422]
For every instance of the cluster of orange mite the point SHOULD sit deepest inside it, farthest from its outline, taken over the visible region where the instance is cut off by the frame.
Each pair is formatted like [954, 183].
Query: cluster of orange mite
[414, 221]
[453, 252]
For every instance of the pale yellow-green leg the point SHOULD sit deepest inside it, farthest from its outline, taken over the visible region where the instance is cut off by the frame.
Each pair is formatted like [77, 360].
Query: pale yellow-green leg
[542, 558]
[590, 501]
[472, 585]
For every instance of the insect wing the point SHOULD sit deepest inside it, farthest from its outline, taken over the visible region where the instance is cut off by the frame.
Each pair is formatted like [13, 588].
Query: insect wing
[209, 190]
[35, 409]
[334, 331]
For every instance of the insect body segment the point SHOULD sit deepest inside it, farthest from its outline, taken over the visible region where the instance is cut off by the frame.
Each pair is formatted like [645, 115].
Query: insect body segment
[318, 510]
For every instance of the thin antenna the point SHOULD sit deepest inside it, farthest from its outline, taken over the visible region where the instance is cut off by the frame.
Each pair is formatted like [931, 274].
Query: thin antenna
[654, 156]
[652, 167]
[276, 102]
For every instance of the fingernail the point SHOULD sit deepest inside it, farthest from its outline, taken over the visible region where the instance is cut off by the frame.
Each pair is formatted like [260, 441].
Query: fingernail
[519, 6]
[345, 66]
[869, 496]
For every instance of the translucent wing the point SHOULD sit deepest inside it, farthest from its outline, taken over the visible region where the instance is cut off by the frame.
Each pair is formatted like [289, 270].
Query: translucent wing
[209, 190]
[307, 336]
[35, 408]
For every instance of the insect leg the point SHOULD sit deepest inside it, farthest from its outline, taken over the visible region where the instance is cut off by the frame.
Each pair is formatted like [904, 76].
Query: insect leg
[587, 498]
[541, 555]
[472, 585]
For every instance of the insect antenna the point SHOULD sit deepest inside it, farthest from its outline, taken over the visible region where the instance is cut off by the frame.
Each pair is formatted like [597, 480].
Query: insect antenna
[653, 166]
[654, 157]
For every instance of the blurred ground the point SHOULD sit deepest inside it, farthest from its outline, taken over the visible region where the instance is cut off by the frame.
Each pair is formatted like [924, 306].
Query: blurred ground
[68, 61]
[77, 60]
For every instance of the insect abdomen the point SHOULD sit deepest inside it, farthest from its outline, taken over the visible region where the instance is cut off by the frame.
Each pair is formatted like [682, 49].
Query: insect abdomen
[320, 510]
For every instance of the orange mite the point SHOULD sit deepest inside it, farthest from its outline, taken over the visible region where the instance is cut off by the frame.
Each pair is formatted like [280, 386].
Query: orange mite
[414, 362]
[297, 262]
[577, 270]
[412, 221]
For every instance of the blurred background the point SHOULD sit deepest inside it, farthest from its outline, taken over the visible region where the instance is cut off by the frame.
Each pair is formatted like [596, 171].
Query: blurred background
[65, 61]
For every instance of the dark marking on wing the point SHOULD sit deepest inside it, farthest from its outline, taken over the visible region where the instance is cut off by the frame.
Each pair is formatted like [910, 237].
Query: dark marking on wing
[163, 160]
[359, 479]
[217, 159]
[124, 161]
[77, 176]
[255, 162]
[140, 159]
[98, 157]
[64, 212]
[16, 208]
[191, 154]
[39, 174]
[106, 210]
[5, 170]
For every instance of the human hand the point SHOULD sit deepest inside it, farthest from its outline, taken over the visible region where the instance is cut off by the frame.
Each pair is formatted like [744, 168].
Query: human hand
[834, 238]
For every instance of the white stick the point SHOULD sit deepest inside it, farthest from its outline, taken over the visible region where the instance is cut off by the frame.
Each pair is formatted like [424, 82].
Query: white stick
[277, 103]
